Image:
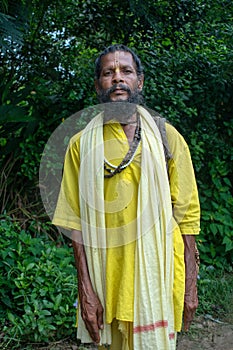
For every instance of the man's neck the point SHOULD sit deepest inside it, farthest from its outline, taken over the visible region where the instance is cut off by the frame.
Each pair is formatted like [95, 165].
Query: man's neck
[129, 127]
[129, 130]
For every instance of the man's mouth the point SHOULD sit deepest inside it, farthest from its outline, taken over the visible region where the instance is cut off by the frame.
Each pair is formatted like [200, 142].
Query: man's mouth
[119, 89]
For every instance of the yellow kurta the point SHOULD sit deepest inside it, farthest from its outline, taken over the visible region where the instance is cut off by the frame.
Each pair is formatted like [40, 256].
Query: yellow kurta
[121, 193]
[121, 209]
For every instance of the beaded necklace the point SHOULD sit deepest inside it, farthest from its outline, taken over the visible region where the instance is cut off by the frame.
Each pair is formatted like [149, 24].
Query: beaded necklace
[113, 170]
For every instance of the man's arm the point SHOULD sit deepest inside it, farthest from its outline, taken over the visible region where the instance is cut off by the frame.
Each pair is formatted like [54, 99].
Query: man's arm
[190, 297]
[91, 308]
[186, 211]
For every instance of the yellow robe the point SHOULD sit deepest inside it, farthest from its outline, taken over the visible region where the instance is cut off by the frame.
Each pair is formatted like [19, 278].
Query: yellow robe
[120, 213]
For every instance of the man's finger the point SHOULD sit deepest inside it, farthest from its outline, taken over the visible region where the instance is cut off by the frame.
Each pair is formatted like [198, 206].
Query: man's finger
[93, 331]
[187, 323]
[100, 317]
[188, 318]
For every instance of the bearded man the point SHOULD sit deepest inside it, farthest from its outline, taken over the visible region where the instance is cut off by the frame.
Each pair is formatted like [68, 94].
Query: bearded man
[133, 214]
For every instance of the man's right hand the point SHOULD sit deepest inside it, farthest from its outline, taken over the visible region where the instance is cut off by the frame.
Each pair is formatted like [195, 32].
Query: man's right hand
[91, 308]
[92, 314]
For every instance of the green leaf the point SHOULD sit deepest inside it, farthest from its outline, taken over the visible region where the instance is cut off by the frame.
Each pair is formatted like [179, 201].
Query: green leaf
[41, 327]
[57, 301]
[30, 266]
[213, 228]
[228, 242]
[212, 250]
[11, 318]
[51, 327]
[227, 181]
[44, 313]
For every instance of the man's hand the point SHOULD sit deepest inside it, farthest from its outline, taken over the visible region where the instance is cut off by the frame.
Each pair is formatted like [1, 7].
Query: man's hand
[91, 308]
[190, 305]
[190, 297]
[92, 313]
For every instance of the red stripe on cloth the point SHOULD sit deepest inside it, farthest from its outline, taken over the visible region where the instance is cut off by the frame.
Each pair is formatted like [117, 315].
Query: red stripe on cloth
[150, 327]
[172, 336]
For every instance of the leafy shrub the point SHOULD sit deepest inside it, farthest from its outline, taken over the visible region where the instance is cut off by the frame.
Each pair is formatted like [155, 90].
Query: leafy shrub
[181, 85]
[37, 287]
[217, 204]
[215, 292]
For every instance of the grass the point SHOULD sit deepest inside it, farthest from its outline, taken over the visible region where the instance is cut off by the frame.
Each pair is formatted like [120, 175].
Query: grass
[215, 290]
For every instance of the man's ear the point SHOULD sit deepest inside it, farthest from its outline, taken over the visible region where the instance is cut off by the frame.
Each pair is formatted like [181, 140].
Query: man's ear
[140, 82]
[97, 87]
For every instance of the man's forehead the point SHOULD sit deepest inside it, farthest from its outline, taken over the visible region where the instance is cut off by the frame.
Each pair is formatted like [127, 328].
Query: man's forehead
[117, 58]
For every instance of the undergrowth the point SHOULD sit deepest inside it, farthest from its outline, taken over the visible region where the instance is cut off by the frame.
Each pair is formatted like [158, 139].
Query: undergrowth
[38, 288]
[215, 292]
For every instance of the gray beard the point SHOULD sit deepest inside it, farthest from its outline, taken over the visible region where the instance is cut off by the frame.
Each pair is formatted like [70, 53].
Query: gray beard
[121, 111]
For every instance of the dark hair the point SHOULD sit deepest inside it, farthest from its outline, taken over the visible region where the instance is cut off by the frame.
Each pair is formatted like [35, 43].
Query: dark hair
[114, 48]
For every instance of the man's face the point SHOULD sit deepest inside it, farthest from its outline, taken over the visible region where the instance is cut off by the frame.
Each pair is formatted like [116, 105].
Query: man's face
[118, 79]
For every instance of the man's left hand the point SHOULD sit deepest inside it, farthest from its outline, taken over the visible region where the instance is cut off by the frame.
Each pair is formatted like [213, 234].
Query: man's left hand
[190, 306]
[191, 271]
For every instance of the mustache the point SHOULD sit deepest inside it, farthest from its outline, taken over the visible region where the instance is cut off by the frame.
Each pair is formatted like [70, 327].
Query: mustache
[118, 86]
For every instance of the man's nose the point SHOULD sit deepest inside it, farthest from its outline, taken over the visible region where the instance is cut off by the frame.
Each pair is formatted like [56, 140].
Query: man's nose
[117, 77]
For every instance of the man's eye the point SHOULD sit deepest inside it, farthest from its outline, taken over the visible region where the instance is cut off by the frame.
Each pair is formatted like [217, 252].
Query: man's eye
[127, 71]
[107, 73]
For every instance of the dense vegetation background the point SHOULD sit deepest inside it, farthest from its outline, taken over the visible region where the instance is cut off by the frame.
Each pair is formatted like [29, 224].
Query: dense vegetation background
[48, 49]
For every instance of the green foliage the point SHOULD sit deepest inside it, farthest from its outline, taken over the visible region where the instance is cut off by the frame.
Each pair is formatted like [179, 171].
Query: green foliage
[193, 89]
[48, 50]
[186, 50]
[215, 290]
[217, 220]
[13, 15]
[37, 287]
[30, 154]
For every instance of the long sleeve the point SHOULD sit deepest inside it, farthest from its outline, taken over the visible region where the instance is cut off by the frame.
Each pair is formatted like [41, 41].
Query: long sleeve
[67, 213]
[184, 194]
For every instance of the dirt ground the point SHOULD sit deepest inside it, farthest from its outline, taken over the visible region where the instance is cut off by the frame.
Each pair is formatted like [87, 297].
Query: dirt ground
[205, 334]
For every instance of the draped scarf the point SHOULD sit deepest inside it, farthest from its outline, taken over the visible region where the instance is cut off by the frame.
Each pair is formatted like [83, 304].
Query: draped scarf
[153, 325]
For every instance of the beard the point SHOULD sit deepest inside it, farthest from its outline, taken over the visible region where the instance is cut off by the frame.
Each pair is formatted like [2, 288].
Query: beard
[121, 110]
[135, 96]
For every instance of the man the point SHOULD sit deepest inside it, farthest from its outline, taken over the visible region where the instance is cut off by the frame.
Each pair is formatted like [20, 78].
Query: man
[133, 216]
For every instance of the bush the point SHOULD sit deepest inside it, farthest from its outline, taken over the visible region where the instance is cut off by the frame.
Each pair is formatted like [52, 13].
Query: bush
[186, 51]
[215, 241]
[215, 293]
[37, 287]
